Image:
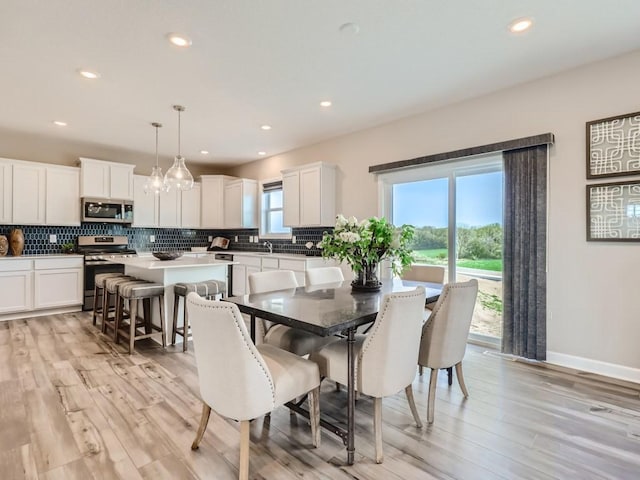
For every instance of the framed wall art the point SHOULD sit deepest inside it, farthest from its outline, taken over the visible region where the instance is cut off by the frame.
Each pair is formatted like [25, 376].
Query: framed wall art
[613, 146]
[613, 212]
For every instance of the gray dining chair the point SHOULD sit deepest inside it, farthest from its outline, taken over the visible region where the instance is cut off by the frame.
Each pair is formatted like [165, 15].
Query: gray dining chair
[444, 335]
[385, 358]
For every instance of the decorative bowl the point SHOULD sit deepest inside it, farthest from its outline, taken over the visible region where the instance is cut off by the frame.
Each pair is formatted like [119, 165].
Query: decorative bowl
[167, 255]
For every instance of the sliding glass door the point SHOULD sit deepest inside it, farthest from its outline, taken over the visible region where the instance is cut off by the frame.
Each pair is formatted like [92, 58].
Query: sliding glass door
[457, 211]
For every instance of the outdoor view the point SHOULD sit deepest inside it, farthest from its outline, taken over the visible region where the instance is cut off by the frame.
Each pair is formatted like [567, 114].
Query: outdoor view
[478, 222]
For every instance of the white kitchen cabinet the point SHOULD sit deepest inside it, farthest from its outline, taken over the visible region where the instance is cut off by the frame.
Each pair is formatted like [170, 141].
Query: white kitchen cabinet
[62, 206]
[29, 191]
[169, 207]
[58, 282]
[15, 285]
[101, 179]
[145, 206]
[6, 194]
[240, 204]
[309, 195]
[190, 207]
[212, 200]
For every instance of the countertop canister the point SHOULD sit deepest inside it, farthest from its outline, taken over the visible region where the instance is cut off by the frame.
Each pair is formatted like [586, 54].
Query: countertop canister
[16, 242]
[4, 245]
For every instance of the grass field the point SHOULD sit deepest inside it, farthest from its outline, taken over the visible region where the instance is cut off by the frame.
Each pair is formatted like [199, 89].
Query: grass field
[438, 256]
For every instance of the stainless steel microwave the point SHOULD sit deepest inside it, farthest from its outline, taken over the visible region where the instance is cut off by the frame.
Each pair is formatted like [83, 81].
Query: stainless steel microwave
[100, 210]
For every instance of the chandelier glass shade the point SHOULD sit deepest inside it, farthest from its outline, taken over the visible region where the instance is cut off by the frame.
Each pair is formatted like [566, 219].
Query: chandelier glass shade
[155, 182]
[179, 176]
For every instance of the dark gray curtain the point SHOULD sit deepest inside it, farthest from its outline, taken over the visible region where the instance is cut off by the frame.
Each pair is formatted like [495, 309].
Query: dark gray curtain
[525, 244]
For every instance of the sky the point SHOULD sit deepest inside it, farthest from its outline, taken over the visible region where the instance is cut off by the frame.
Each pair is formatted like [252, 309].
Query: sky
[424, 203]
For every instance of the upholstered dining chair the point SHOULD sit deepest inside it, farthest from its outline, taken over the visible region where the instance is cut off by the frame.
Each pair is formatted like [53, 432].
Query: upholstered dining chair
[323, 275]
[293, 340]
[385, 356]
[262, 377]
[444, 336]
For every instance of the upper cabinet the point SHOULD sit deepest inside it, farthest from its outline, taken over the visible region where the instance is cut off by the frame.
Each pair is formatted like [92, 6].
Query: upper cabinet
[241, 204]
[309, 194]
[62, 200]
[212, 200]
[39, 193]
[102, 179]
[145, 205]
[190, 207]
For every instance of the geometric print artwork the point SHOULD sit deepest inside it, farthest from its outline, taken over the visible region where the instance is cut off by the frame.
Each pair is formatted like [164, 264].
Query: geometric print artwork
[613, 146]
[613, 212]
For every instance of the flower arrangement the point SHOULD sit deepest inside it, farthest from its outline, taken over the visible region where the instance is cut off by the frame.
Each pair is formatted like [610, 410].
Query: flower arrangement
[363, 245]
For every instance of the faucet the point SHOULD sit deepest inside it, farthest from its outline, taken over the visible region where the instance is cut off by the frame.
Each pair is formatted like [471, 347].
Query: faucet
[269, 245]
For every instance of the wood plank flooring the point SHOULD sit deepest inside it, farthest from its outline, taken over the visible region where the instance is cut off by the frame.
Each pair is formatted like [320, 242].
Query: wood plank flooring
[75, 406]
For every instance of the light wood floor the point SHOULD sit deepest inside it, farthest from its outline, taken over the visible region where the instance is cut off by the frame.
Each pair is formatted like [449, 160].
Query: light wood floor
[75, 406]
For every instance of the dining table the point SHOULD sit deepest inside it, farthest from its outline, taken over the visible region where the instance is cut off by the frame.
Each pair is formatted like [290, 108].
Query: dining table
[328, 309]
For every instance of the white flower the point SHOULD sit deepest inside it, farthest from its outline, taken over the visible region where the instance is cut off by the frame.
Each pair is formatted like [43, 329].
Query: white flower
[349, 237]
[353, 221]
[309, 245]
[395, 241]
[341, 221]
[319, 245]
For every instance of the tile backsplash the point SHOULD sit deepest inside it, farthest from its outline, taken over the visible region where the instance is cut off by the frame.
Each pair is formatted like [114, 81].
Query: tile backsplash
[36, 238]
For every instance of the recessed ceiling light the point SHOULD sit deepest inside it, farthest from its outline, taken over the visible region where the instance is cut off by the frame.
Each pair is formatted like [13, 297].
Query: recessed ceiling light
[179, 40]
[325, 103]
[204, 152]
[520, 25]
[262, 153]
[60, 123]
[266, 127]
[91, 75]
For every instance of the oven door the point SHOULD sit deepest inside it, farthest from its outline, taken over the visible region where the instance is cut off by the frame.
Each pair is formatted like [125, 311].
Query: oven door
[91, 269]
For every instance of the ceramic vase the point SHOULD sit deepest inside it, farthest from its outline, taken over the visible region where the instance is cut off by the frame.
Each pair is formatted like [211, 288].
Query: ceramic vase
[16, 242]
[4, 245]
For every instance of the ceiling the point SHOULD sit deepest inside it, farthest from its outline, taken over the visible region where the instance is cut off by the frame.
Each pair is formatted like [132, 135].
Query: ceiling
[255, 62]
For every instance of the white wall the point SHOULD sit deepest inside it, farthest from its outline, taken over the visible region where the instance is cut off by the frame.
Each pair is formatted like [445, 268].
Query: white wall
[593, 288]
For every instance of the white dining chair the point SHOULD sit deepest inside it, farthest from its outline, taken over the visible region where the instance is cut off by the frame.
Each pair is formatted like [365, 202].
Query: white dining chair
[241, 381]
[385, 357]
[444, 336]
[293, 340]
[323, 275]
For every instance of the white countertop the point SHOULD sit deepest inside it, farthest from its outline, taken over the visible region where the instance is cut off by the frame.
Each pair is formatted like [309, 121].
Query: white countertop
[151, 263]
[291, 256]
[40, 257]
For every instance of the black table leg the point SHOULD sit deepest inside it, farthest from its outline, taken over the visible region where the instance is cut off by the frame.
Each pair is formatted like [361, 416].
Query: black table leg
[253, 328]
[351, 397]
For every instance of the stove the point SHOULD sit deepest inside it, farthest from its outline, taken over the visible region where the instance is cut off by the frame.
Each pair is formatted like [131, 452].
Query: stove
[97, 251]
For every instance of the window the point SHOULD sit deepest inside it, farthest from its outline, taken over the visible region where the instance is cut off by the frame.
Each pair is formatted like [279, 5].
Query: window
[457, 209]
[272, 214]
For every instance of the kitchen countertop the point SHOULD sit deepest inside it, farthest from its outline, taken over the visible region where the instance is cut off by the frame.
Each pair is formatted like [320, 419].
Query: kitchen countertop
[40, 257]
[291, 256]
[151, 263]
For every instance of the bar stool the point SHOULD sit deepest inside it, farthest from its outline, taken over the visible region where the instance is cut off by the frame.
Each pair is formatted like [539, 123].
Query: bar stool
[134, 292]
[111, 289]
[209, 289]
[98, 290]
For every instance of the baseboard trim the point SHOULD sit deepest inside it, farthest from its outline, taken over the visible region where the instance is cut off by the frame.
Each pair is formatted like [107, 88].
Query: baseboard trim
[40, 313]
[594, 366]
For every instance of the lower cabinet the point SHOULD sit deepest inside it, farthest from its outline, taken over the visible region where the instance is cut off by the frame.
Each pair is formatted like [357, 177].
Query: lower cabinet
[57, 283]
[28, 285]
[15, 285]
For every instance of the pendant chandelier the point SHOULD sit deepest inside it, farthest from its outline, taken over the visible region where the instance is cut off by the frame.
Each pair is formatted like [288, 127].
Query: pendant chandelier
[178, 176]
[155, 183]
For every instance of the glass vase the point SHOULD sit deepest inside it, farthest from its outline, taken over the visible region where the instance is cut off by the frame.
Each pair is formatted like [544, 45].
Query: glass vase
[367, 279]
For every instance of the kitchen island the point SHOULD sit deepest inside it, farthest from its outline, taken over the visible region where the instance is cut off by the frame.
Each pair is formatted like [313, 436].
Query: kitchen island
[170, 272]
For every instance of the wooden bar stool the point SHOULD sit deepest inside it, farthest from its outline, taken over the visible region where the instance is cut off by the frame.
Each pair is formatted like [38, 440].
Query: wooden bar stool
[98, 292]
[134, 292]
[110, 291]
[209, 289]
